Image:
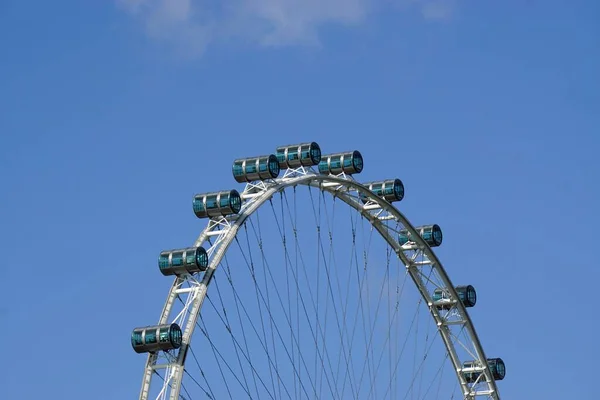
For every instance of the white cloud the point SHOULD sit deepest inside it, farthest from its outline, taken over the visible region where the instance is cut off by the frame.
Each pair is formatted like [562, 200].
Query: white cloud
[191, 25]
[438, 9]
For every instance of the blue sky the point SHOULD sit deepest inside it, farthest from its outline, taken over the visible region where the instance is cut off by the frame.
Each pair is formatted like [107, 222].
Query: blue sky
[115, 113]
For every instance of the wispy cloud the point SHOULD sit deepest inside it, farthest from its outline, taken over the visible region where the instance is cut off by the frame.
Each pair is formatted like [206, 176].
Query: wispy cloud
[438, 9]
[191, 25]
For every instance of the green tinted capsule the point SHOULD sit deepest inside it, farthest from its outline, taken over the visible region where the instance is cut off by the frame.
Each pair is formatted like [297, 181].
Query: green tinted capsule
[255, 168]
[496, 366]
[183, 261]
[298, 155]
[209, 205]
[431, 234]
[466, 294]
[349, 163]
[391, 190]
[151, 339]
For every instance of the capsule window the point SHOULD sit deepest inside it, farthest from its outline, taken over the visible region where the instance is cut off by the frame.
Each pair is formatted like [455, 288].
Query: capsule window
[323, 168]
[198, 205]
[500, 370]
[347, 162]
[163, 335]
[357, 161]
[389, 190]
[471, 296]
[150, 336]
[335, 162]
[292, 155]
[306, 154]
[176, 335]
[398, 190]
[237, 170]
[274, 165]
[137, 338]
[211, 202]
[224, 202]
[201, 258]
[250, 168]
[163, 261]
[235, 202]
[177, 259]
[315, 154]
[190, 257]
[437, 234]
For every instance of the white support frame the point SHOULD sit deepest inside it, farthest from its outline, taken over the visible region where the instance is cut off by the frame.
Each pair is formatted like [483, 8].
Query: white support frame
[222, 230]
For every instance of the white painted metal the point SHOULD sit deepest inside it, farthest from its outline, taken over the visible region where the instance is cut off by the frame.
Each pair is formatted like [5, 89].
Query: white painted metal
[376, 211]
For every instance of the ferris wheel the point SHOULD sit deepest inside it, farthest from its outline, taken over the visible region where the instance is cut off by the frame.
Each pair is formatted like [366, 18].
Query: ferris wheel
[319, 288]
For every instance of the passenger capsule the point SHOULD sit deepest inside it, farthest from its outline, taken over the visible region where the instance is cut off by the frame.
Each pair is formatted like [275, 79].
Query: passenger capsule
[432, 234]
[466, 294]
[391, 190]
[496, 366]
[349, 163]
[298, 155]
[183, 261]
[217, 204]
[256, 168]
[151, 339]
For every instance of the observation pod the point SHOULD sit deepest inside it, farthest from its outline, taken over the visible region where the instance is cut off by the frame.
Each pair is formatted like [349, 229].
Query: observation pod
[466, 294]
[350, 162]
[496, 366]
[432, 234]
[391, 190]
[255, 168]
[298, 155]
[217, 204]
[151, 339]
[183, 261]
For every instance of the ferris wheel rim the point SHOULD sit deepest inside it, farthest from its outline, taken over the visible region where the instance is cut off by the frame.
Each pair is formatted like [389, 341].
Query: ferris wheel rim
[325, 183]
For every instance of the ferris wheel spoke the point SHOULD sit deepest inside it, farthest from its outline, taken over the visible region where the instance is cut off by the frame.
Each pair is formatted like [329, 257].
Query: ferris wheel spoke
[264, 345]
[321, 342]
[210, 394]
[162, 378]
[347, 339]
[403, 348]
[230, 279]
[385, 282]
[299, 264]
[439, 373]
[282, 232]
[221, 313]
[266, 286]
[372, 319]
[315, 281]
[204, 329]
[231, 332]
[416, 373]
[270, 314]
[246, 355]
[228, 327]
[189, 395]
[290, 325]
[332, 267]
[328, 257]
[258, 300]
[426, 350]
[217, 360]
